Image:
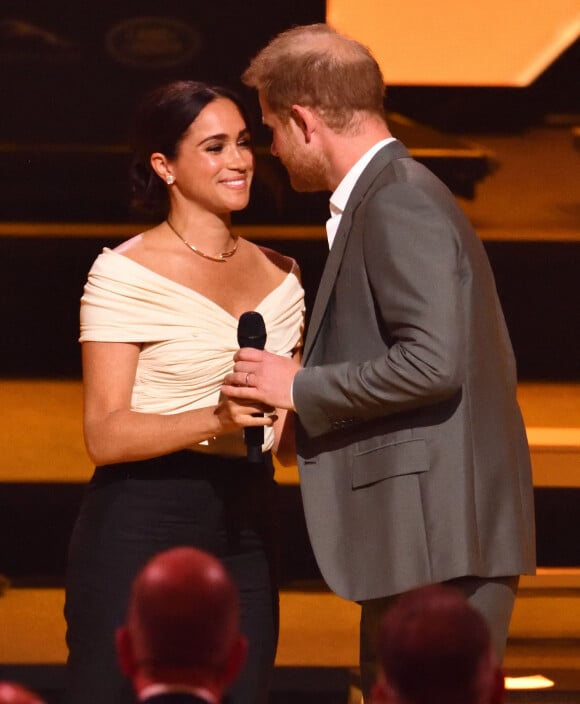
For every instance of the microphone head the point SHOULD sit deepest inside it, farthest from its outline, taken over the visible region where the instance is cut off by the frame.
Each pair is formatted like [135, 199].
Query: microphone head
[251, 330]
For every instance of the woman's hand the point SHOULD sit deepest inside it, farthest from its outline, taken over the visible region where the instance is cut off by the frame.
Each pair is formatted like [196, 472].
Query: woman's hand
[234, 414]
[115, 433]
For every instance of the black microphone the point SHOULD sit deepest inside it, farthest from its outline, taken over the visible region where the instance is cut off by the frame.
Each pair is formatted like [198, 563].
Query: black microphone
[252, 333]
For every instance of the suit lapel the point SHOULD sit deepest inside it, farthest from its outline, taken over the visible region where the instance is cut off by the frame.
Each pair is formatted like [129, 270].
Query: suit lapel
[394, 150]
[327, 281]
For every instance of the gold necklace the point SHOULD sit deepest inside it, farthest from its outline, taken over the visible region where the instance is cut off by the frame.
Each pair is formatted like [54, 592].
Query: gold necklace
[222, 257]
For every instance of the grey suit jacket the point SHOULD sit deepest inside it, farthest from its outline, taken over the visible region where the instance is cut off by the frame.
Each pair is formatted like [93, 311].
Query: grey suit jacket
[413, 459]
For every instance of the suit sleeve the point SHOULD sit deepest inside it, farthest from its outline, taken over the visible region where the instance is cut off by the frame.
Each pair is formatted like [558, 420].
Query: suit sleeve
[411, 254]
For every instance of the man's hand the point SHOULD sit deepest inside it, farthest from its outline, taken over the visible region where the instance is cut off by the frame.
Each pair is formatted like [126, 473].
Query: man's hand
[261, 376]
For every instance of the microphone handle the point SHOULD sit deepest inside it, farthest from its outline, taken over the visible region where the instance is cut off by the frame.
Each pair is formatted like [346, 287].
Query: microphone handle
[254, 437]
[252, 333]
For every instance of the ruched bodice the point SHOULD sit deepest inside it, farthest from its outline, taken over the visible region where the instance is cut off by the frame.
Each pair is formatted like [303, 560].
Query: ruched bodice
[187, 340]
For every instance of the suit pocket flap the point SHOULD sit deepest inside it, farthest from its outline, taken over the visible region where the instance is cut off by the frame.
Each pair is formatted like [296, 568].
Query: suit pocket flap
[371, 465]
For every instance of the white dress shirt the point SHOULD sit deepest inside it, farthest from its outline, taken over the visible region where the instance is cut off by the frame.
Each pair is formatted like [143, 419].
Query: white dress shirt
[339, 198]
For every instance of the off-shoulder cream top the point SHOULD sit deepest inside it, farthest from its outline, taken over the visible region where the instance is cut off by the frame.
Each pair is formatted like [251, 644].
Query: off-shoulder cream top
[187, 341]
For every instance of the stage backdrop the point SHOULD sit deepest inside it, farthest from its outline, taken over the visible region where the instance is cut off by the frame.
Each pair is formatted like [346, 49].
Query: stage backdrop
[458, 43]
[71, 71]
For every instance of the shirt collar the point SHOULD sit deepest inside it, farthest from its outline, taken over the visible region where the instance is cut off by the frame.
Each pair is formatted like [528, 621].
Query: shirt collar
[154, 690]
[339, 198]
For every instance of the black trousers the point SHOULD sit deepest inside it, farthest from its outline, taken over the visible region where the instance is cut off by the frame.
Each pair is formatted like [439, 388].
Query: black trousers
[134, 510]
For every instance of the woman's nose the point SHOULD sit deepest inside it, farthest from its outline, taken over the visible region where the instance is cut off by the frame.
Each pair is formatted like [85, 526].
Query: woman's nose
[239, 158]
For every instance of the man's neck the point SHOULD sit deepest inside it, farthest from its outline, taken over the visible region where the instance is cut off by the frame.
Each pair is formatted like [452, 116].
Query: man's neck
[344, 149]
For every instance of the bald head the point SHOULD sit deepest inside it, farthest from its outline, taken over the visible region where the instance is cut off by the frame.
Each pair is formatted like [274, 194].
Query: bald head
[183, 611]
[435, 649]
[13, 693]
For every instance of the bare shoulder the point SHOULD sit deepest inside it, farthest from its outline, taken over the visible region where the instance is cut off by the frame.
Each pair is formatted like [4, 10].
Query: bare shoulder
[129, 246]
[139, 247]
[286, 264]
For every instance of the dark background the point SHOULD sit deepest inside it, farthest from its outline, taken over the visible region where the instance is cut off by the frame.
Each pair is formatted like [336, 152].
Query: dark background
[72, 71]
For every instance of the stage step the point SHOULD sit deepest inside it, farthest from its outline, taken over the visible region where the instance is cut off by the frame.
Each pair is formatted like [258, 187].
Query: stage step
[318, 636]
[92, 178]
[42, 439]
[44, 468]
[319, 629]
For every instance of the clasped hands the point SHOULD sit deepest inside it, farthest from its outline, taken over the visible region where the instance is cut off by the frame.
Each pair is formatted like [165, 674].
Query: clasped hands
[261, 376]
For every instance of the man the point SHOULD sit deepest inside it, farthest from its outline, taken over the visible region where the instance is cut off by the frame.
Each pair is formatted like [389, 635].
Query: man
[14, 693]
[435, 649]
[413, 458]
[181, 643]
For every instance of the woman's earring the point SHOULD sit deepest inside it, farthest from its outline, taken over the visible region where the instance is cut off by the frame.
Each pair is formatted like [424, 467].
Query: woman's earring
[170, 179]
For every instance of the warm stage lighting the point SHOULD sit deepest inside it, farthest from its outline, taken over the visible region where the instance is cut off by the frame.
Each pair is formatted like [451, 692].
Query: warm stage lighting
[458, 43]
[528, 682]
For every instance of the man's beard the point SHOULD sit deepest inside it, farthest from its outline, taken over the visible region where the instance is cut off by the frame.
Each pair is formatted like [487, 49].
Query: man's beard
[307, 175]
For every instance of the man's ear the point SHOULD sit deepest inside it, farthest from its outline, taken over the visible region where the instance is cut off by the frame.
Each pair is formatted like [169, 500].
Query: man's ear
[498, 693]
[305, 119]
[124, 651]
[236, 659]
[382, 692]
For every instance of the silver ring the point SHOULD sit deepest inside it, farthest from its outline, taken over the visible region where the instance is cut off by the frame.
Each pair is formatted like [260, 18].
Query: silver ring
[247, 375]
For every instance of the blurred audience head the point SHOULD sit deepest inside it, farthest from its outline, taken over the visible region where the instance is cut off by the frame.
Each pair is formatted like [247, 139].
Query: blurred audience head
[14, 693]
[182, 625]
[434, 648]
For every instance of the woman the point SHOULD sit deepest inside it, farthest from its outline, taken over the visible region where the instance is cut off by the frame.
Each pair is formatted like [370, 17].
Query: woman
[159, 320]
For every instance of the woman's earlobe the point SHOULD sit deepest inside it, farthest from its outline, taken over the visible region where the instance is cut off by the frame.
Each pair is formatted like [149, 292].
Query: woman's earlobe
[159, 165]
